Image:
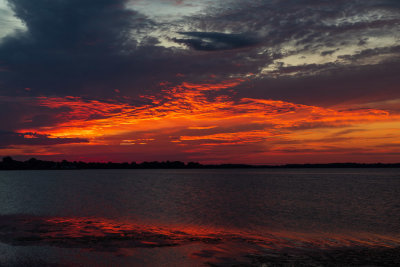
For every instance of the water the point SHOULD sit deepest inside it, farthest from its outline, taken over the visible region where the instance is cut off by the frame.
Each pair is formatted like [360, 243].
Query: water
[339, 203]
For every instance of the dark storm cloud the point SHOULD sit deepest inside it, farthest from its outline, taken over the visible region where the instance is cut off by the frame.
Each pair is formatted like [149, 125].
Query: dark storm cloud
[82, 47]
[8, 139]
[212, 41]
[69, 44]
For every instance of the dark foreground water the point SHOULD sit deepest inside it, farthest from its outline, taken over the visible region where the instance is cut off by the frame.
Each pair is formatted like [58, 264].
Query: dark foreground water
[198, 217]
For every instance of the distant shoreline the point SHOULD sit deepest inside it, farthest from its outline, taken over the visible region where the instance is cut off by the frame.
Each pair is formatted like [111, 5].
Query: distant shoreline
[34, 164]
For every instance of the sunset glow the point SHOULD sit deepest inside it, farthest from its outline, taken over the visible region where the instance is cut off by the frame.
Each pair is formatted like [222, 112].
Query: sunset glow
[172, 80]
[194, 118]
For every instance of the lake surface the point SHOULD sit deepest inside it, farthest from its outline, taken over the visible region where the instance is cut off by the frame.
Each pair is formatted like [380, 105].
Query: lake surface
[263, 208]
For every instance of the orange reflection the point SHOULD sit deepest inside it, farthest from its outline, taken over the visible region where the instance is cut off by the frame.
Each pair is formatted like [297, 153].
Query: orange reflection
[215, 246]
[72, 231]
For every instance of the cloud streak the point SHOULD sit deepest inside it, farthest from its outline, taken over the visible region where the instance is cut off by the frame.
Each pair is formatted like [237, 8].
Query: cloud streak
[215, 41]
[10, 139]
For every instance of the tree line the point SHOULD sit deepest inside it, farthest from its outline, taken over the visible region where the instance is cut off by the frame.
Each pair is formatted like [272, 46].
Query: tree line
[9, 163]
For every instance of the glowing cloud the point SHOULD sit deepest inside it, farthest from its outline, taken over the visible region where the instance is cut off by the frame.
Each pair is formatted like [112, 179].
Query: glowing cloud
[206, 118]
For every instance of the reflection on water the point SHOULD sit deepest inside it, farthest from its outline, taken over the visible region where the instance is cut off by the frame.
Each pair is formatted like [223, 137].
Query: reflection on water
[105, 235]
[188, 217]
[97, 233]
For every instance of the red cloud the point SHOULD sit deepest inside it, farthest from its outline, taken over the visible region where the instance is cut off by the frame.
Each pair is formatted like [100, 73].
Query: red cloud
[214, 117]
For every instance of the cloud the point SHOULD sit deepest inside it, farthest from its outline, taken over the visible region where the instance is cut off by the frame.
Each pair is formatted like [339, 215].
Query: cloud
[214, 41]
[92, 49]
[9, 139]
[9, 22]
[205, 113]
[202, 122]
[69, 45]
[332, 86]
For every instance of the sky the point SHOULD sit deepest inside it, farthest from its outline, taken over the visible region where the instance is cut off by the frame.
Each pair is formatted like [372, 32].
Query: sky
[211, 81]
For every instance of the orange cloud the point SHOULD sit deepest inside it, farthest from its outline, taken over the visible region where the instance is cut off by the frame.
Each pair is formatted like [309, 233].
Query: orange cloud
[206, 115]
